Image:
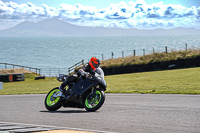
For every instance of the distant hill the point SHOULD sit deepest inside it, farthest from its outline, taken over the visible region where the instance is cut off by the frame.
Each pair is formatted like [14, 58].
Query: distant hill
[55, 27]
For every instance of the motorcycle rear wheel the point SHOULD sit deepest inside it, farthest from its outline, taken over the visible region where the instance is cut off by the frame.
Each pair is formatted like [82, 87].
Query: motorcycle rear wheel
[52, 104]
[94, 103]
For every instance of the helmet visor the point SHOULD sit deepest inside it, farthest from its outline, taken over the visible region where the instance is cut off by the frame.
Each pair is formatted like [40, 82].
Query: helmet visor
[96, 65]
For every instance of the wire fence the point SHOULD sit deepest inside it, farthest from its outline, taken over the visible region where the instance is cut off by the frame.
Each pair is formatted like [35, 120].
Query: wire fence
[53, 72]
[144, 51]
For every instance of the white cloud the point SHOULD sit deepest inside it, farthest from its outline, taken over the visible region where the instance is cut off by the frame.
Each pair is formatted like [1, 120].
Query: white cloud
[124, 15]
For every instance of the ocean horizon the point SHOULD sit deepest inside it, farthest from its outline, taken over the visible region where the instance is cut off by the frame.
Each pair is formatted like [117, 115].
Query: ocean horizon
[63, 52]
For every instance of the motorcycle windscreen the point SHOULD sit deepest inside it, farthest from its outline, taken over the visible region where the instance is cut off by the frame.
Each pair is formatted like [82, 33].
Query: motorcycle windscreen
[83, 85]
[100, 79]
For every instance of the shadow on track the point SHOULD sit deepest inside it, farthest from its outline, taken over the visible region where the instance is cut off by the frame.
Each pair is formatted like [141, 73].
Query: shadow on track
[67, 111]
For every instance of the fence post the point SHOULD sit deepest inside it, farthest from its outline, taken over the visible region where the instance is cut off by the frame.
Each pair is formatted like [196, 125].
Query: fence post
[122, 54]
[186, 47]
[134, 52]
[112, 55]
[153, 51]
[102, 56]
[5, 65]
[143, 51]
[166, 49]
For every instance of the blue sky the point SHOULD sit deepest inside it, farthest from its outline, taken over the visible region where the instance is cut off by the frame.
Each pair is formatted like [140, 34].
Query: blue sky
[140, 14]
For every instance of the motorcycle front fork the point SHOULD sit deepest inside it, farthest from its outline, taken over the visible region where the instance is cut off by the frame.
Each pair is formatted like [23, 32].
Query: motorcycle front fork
[93, 91]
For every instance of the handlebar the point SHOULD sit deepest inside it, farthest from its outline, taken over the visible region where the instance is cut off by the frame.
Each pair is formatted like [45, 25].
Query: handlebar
[62, 77]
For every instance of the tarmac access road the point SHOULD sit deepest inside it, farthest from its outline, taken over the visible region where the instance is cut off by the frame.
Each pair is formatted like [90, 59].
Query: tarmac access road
[121, 113]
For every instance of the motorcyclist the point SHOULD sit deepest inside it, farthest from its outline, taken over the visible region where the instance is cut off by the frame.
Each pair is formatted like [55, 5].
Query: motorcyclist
[87, 70]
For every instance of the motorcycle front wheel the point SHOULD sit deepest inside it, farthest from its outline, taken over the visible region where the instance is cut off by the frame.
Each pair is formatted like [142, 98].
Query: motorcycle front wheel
[93, 103]
[51, 103]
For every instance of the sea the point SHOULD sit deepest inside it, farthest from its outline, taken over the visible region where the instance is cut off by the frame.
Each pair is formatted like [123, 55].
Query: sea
[63, 52]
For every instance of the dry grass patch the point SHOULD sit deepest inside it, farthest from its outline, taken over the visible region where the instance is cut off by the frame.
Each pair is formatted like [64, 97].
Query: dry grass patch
[151, 58]
[16, 70]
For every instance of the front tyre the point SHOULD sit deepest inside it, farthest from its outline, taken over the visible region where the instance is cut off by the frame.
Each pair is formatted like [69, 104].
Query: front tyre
[93, 103]
[51, 103]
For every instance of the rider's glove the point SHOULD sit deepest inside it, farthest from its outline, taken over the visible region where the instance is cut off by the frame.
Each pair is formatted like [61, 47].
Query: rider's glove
[81, 71]
[87, 74]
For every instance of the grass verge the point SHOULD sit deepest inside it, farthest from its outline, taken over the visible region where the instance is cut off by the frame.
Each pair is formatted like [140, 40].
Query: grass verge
[151, 58]
[178, 81]
[29, 86]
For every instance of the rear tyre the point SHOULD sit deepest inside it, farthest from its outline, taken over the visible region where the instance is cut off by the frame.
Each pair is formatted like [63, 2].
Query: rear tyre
[52, 104]
[94, 103]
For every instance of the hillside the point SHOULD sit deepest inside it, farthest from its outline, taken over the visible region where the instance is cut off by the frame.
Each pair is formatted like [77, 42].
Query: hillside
[152, 62]
[55, 27]
[151, 58]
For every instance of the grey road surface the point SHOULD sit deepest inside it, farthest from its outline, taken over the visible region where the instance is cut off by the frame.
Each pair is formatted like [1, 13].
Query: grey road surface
[121, 113]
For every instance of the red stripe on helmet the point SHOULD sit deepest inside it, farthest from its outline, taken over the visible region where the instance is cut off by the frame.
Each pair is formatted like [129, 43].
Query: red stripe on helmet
[95, 61]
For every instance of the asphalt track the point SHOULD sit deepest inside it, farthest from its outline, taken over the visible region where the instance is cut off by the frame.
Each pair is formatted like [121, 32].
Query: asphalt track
[121, 113]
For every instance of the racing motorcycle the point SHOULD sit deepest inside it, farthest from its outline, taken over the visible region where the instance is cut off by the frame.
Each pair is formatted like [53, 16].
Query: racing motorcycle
[86, 92]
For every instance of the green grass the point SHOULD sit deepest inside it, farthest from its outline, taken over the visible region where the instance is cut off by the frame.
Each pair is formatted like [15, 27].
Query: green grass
[29, 86]
[179, 81]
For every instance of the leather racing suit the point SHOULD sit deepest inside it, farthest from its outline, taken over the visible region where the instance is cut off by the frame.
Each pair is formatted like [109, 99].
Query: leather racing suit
[86, 70]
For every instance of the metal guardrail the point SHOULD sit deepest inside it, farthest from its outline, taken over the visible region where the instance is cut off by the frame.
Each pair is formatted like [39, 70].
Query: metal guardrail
[48, 72]
[72, 68]
[37, 70]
